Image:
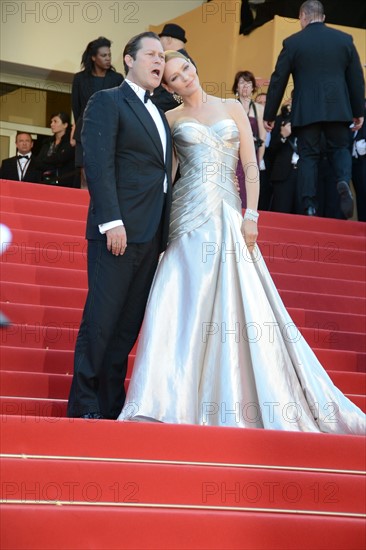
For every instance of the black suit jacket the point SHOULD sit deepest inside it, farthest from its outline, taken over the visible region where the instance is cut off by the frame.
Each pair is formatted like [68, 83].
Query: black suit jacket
[327, 73]
[280, 153]
[124, 165]
[9, 170]
[82, 90]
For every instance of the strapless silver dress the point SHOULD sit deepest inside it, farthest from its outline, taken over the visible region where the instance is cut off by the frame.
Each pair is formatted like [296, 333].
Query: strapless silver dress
[217, 346]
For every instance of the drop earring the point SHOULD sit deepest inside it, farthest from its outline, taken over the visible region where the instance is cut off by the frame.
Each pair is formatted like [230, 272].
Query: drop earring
[178, 98]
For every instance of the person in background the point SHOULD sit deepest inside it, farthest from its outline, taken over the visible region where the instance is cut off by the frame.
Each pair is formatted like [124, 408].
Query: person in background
[172, 37]
[244, 87]
[329, 92]
[22, 167]
[98, 74]
[282, 151]
[261, 98]
[359, 169]
[56, 160]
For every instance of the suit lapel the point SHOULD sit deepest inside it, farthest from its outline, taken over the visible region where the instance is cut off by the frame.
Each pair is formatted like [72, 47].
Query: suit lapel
[144, 116]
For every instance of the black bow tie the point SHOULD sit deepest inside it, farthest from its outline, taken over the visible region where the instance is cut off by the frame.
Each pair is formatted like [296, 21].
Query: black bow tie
[146, 96]
[23, 157]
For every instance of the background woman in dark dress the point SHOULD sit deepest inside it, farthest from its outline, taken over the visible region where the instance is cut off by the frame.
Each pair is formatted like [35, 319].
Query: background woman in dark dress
[56, 160]
[97, 74]
[244, 87]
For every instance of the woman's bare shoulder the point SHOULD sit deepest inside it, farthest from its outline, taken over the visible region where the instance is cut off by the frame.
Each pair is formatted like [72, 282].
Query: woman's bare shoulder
[173, 115]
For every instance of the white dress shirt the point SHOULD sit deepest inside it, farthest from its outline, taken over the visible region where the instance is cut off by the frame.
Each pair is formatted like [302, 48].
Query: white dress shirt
[22, 164]
[155, 115]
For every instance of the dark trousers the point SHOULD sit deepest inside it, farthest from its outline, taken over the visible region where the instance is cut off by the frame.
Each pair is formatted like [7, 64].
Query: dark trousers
[118, 290]
[284, 197]
[359, 183]
[336, 136]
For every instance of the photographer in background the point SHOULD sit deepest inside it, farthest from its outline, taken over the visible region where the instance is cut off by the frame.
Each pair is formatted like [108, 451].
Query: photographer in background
[282, 152]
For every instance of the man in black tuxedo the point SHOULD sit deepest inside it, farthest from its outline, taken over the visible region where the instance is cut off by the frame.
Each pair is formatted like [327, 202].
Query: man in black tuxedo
[22, 166]
[328, 95]
[128, 160]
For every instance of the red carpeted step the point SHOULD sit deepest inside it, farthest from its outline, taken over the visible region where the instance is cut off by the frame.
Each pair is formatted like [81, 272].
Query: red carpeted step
[171, 442]
[31, 406]
[44, 193]
[43, 275]
[314, 268]
[332, 320]
[315, 224]
[63, 336]
[75, 297]
[320, 285]
[325, 246]
[45, 315]
[30, 222]
[61, 361]
[47, 385]
[37, 527]
[298, 252]
[273, 219]
[341, 360]
[46, 407]
[349, 382]
[50, 245]
[51, 255]
[323, 302]
[35, 294]
[43, 478]
[36, 360]
[29, 384]
[69, 210]
[359, 400]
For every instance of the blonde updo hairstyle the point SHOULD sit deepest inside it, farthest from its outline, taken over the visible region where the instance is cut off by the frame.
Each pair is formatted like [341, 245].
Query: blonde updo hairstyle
[173, 54]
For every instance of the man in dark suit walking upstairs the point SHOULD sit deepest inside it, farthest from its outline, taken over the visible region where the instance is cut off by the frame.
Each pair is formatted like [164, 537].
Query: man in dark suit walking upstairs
[329, 91]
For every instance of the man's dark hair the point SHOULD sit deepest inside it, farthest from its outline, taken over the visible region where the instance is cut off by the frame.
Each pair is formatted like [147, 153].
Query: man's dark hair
[312, 8]
[19, 133]
[134, 45]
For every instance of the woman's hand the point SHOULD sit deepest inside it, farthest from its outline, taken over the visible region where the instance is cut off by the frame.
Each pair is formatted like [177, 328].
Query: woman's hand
[250, 234]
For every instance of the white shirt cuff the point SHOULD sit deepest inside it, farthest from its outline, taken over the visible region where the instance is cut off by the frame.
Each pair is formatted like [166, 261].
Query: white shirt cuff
[103, 227]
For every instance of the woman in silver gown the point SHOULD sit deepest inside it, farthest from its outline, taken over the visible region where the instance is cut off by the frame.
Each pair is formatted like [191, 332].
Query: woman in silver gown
[217, 346]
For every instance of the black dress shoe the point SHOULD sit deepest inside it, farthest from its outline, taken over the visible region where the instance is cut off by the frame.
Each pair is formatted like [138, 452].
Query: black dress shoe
[92, 416]
[346, 199]
[310, 211]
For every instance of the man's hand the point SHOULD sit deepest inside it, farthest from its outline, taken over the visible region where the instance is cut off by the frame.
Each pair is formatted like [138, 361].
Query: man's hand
[268, 125]
[286, 130]
[357, 123]
[117, 240]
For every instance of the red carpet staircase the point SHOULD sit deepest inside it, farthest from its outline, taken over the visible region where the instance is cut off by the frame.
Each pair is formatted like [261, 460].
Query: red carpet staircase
[76, 484]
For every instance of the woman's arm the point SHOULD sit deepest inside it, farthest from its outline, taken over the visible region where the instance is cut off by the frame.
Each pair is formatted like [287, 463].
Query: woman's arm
[250, 166]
